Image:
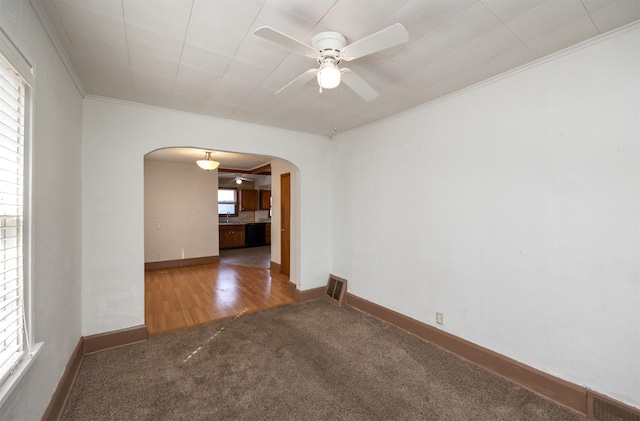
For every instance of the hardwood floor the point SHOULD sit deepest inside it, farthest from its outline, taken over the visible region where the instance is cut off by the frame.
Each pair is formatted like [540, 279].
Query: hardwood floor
[183, 297]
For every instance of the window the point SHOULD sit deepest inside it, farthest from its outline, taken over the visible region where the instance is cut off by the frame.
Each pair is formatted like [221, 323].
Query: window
[227, 202]
[15, 348]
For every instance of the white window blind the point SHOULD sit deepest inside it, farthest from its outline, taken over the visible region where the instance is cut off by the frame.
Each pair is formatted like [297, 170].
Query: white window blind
[12, 128]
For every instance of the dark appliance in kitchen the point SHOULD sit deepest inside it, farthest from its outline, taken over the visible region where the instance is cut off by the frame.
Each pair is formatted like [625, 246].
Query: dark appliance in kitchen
[254, 235]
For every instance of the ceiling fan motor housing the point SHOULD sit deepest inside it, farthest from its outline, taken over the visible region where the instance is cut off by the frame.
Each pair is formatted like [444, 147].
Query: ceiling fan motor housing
[328, 44]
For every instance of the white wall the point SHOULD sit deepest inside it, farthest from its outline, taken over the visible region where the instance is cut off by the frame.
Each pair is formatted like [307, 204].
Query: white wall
[116, 136]
[56, 218]
[512, 208]
[183, 200]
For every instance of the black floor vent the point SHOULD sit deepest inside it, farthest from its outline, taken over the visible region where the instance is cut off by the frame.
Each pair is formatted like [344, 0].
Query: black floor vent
[603, 408]
[336, 288]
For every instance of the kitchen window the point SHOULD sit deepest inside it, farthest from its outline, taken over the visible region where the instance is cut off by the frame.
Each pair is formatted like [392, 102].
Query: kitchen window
[227, 202]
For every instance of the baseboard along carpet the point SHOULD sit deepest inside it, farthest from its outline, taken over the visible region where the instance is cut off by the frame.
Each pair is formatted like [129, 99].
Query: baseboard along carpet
[307, 361]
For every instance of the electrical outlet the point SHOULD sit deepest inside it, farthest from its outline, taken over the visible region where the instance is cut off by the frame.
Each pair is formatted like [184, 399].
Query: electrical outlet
[439, 318]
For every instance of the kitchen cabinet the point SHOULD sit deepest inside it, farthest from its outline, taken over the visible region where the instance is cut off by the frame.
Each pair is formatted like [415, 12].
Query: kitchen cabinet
[248, 200]
[265, 199]
[231, 236]
[267, 233]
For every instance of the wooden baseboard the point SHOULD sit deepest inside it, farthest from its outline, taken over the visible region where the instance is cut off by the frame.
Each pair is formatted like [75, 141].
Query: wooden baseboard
[561, 391]
[108, 340]
[180, 263]
[309, 294]
[87, 345]
[65, 385]
[275, 267]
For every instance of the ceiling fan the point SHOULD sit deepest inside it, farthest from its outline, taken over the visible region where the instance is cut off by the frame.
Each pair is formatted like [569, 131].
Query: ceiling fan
[239, 179]
[329, 49]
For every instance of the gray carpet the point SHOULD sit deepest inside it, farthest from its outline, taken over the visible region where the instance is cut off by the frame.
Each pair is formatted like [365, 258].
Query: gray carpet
[310, 361]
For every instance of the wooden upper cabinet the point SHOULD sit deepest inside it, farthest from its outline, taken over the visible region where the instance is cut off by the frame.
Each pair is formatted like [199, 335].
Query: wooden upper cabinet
[265, 199]
[248, 200]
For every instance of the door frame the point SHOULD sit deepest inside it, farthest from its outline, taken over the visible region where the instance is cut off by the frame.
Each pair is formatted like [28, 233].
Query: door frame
[285, 223]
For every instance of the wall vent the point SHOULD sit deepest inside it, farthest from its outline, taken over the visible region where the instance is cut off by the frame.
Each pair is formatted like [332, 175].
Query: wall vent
[603, 408]
[336, 289]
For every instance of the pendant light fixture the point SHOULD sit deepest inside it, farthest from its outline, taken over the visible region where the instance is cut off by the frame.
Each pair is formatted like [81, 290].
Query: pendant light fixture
[207, 164]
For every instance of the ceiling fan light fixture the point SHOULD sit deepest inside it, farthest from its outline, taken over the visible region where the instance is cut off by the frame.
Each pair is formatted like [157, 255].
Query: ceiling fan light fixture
[238, 181]
[329, 74]
[207, 164]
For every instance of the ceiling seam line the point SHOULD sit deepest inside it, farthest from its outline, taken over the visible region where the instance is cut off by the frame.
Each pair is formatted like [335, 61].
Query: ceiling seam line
[250, 26]
[126, 40]
[590, 18]
[510, 30]
[182, 52]
[242, 42]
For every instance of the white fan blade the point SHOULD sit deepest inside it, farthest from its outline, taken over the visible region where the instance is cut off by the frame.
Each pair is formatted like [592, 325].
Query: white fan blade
[387, 38]
[298, 82]
[272, 35]
[358, 85]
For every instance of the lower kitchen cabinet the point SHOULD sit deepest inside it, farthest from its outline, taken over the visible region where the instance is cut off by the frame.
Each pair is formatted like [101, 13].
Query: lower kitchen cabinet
[231, 236]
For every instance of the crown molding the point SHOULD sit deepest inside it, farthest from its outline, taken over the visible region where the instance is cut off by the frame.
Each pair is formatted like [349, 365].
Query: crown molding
[48, 27]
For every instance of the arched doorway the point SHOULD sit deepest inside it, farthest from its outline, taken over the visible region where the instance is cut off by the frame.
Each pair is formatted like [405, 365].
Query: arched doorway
[186, 282]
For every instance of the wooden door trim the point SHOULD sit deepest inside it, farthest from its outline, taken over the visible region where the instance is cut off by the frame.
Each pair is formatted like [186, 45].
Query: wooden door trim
[285, 254]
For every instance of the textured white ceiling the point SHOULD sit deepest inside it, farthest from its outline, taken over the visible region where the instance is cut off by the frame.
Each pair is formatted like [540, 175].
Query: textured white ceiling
[201, 56]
